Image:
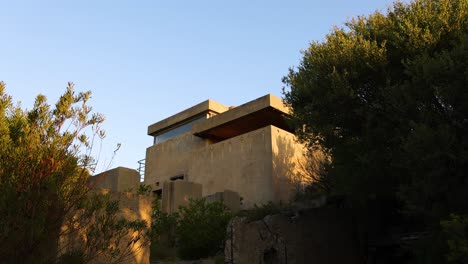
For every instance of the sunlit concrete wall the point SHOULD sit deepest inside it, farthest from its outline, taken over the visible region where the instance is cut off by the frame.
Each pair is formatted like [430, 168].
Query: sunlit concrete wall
[241, 164]
[131, 207]
[135, 207]
[171, 158]
[260, 165]
[289, 163]
[119, 179]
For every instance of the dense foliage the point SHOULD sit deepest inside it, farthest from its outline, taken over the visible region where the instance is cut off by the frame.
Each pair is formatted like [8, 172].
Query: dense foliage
[456, 231]
[44, 166]
[387, 98]
[197, 231]
[258, 212]
[201, 229]
[163, 225]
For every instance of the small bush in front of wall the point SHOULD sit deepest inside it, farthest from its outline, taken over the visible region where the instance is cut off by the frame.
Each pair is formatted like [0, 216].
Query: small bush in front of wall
[309, 192]
[197, 231]
[161, 250]
[144, 189]
[162, 233]
[219, 259]
[259, 212]
[100, 232]
[201, 229]
[455, 230]
[163, 225]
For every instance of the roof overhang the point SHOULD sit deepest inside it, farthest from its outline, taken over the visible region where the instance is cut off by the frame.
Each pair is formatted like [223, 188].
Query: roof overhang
[203, 108]
[264, 111]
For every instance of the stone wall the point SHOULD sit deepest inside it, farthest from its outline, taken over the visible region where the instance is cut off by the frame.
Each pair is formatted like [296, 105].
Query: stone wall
[319, 236]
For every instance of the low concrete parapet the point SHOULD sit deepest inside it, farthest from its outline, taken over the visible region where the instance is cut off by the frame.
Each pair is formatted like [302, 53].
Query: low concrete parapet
[120, 179]
[229, 198]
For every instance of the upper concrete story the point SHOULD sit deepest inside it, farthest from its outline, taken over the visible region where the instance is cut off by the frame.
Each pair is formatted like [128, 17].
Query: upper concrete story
[215, 121]
[208, 107]
[248, 149]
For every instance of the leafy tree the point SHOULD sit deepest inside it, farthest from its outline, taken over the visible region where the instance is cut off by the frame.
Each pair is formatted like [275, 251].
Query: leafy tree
[387, 98]
[44, 166]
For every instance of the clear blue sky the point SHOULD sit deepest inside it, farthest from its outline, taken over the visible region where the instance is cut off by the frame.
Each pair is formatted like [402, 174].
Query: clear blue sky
[147, 60]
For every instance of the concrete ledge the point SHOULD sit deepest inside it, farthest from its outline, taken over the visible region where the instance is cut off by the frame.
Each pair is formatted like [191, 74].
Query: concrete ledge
[263, 111]
[208, 106]
[116, 180]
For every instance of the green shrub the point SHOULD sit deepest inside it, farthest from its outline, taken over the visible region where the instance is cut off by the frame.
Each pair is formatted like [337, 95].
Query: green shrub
[163, 225]
[105, 234]
[144, 189]
[45, 163]
[197, 231]
[201, 229]
[160, 250]
[456, 231]
[219, 259]
[259, 212]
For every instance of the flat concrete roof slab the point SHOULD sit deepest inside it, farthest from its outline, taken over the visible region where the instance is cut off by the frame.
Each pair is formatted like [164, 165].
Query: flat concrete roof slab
[264, 111]
[187, 115]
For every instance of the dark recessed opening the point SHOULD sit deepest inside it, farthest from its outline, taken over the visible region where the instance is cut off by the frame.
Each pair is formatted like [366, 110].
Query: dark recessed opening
[178, 177]
[157, 193]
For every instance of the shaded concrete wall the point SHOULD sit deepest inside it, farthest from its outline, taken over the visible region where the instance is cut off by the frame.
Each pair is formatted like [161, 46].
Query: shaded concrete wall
[116, 180]
[260, 165]
[229, 198]
[178, 193]
[319, 236]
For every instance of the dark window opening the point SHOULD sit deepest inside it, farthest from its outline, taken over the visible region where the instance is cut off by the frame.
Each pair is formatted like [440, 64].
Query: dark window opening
[178, 177]
[157, 193]
[178, 130]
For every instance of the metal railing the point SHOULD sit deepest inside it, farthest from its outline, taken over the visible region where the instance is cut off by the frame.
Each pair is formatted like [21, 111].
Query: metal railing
[141, 169]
